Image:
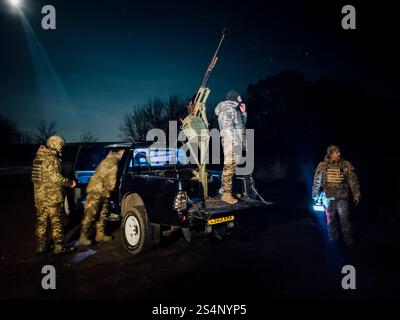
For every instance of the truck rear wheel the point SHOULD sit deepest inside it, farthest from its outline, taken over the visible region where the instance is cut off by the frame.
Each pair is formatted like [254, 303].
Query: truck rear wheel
[137, 233]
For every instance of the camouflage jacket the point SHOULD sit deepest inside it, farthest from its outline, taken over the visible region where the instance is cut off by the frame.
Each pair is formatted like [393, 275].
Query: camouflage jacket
[104, 179]
[335, 178]
[232, 122]
[48, 183]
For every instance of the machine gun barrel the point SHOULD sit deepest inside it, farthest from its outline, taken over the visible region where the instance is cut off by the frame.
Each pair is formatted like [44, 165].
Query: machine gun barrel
[214, 59]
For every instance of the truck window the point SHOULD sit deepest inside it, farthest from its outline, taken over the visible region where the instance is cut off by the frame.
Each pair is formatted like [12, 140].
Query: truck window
[89, 158]
[87, 161]
[151, 158]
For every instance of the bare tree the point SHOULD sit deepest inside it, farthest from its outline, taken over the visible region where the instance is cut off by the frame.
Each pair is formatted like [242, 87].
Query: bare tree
[44, 130]
[176, 108]
[134, 126]
[87, 136]
[9, 131]
[26, 138]
[155, 113]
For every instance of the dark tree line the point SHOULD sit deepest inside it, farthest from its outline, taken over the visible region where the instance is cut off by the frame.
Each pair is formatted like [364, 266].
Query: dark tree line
[11, 134]
[292, 115]
[289, 114]
[298, 119]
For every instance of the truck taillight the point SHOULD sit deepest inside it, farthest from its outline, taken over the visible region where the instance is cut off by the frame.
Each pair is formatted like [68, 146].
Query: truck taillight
[180, 201]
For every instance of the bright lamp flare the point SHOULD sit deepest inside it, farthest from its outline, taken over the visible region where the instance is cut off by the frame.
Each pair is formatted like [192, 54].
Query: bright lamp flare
[15, 3]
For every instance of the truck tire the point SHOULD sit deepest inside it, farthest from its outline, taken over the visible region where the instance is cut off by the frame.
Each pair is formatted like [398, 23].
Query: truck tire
[137, 233]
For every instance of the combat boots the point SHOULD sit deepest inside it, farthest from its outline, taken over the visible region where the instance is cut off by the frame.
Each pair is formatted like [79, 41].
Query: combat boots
[84, 240]
[100, 236]
[63, 251]
[42, 250]
[228, 198]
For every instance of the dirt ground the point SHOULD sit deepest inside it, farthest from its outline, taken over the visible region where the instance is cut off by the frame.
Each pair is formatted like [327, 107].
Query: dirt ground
[280, 253]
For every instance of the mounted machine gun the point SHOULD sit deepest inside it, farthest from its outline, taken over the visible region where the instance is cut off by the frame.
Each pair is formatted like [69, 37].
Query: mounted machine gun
[195, 124]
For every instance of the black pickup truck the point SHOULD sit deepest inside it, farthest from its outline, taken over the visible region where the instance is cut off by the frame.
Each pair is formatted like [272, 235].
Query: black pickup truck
[157, 188]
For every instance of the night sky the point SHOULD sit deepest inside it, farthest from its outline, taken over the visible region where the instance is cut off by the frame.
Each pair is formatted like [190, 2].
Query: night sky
[106, 57]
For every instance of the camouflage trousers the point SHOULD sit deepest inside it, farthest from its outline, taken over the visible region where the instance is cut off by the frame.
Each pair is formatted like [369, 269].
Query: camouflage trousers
[227, 176]
[338, 217]
[231, 159]
[96, 208]
[45, 216]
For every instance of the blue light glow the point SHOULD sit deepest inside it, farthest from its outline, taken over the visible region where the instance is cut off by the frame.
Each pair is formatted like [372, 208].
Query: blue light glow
[83, 176]
[318, 207]
[158, 157]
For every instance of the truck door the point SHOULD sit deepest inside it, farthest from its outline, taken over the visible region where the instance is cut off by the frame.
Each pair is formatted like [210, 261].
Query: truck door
[86, 160]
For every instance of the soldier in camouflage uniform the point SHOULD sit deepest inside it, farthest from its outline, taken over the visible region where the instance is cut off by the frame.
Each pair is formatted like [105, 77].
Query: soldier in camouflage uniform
[100, 186]
[334, 178]
[48, 185]
[232, 118]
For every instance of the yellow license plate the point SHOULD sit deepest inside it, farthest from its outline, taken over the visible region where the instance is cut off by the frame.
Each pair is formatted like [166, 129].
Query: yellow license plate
[221, 220]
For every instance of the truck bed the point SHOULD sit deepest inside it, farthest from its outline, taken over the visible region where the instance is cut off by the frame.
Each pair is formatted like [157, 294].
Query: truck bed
[216, 207]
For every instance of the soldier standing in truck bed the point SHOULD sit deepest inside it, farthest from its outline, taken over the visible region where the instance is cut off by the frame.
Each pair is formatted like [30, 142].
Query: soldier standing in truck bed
[232, 118]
